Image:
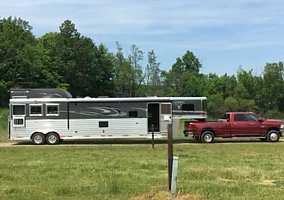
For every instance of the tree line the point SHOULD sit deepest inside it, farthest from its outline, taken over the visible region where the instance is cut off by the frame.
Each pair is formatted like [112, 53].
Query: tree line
[69, 60]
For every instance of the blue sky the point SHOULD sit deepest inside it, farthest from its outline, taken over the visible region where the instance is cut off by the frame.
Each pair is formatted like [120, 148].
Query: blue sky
[223, 34]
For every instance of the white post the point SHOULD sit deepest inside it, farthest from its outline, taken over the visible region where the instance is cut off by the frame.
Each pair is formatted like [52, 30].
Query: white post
[174, 176]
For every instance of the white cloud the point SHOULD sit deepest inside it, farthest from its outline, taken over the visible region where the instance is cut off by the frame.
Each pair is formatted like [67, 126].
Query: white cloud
[154, 17]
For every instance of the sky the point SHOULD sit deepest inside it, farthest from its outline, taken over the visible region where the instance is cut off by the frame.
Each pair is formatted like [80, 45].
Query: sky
[224, 35]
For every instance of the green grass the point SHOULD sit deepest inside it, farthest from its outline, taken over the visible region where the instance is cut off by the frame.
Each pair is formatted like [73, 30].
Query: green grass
[227, 170]
[3, 124]
[223, 170]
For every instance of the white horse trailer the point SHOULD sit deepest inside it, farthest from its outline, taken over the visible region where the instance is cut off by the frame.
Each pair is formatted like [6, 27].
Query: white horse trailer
[52, 115]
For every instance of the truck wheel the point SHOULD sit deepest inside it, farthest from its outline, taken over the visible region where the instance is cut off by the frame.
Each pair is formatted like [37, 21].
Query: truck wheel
[52, 138]
[207, 137]
[273, 136]
[38, 138]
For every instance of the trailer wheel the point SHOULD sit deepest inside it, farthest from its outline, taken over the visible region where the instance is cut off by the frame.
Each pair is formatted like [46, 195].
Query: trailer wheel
[38, 138]
[207, 137]
[273, 136]
[52, 138]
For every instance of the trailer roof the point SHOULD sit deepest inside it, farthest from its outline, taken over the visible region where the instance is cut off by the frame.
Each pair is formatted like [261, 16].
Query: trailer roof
[89, 99]
[39, 93]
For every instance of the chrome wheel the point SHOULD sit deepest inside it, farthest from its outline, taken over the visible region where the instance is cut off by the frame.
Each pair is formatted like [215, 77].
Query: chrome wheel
[207, 137]
[273, 136]
[38, 139]
[52, 138]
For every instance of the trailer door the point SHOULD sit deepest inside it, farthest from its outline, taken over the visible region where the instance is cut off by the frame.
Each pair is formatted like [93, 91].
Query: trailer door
[165, 117]
[153, 117]
[18, 115]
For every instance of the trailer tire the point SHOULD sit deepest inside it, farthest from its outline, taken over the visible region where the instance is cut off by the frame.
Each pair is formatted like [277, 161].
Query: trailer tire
[207, 137]
[273, 136]
[52, 138]
[38, 138]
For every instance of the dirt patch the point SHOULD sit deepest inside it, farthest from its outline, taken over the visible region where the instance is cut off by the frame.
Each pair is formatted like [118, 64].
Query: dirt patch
[6, 144]
[166, 196]
[268, 182]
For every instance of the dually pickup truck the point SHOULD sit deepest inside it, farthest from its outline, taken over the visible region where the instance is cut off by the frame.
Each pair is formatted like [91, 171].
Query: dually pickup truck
[237, 124]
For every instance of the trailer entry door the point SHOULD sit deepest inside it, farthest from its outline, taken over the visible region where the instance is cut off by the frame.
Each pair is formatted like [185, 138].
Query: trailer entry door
[153, 117]
[19, 115]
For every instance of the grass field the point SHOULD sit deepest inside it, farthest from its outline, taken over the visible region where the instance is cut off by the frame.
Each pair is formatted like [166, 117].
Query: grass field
[3, 124]
[240, 170]
[226, 169]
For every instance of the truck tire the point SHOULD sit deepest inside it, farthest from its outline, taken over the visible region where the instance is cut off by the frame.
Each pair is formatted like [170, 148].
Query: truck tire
[207, 137]
[273, 136]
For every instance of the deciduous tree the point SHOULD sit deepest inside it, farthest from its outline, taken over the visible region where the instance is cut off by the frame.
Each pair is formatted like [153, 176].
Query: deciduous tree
[18, 54]
[153, 75]
[273, 87]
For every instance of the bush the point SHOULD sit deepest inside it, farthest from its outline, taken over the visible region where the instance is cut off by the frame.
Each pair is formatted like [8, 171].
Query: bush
[273, 114]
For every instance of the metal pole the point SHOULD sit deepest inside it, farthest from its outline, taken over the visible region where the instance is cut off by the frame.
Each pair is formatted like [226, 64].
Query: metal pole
[174, 176]
[170, 154]
[153, 136]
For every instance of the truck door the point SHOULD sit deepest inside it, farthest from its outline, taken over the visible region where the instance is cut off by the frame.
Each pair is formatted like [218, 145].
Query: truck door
[165, 117]
[246, 125]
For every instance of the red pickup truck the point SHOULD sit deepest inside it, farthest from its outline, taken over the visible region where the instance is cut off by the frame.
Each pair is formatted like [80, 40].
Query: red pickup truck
[237, 124]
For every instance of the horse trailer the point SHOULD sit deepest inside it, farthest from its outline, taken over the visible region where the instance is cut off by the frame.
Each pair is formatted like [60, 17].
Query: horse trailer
[52, 115]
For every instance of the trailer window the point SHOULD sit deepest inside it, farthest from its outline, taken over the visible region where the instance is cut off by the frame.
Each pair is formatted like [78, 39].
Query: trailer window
[18, 122]
[103, 124]
[19, 109]
[188, 107]
[52, 109]
[166, 109]
[36, 110]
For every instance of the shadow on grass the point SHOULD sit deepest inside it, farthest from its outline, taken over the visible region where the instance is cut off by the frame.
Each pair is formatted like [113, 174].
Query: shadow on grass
[157, 141]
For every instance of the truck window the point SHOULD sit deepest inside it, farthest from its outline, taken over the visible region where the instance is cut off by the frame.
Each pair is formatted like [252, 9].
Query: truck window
[245, 117]
[240, 117]
[227, 117]
[252, 117]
